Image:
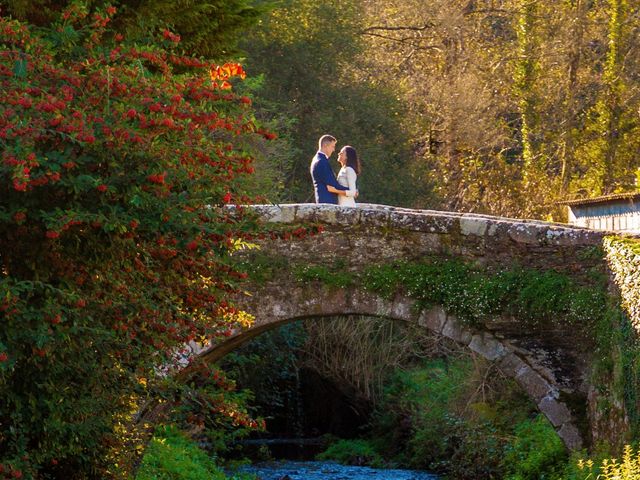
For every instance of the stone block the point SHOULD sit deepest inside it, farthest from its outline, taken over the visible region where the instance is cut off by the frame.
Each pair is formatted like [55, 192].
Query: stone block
[306, 212]
[374, 218]
[512, 365]
[269, 213]
[422, 222]
[347, 216]
[555, 411]
[377, 207]
[571, 437]
[487, 346]
[455, 331]
[332, 300]
[287, 213]
[327, 214]
[362, 302]
[367, 303]
[525, 233]
[429, 243]
[565, 236]
[473, 226]
[402, 309]
[434, 319]
[560, 236]
[493, 228]
[533, 383]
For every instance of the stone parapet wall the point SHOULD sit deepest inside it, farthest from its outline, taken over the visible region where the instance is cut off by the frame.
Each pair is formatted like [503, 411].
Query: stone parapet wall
[372, 234]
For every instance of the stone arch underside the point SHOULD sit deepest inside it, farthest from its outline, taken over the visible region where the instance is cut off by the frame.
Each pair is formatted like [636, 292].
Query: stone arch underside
[542, 376]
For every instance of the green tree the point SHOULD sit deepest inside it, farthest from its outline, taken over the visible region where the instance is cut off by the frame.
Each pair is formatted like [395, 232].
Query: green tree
[525, 72]
[308, 52]
[611, 130]
[210, 28]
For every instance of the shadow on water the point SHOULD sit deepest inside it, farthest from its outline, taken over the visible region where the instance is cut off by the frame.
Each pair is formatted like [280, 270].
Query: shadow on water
[299, 449]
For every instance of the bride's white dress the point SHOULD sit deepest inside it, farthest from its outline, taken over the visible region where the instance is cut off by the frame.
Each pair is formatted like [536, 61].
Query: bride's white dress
[347, 178]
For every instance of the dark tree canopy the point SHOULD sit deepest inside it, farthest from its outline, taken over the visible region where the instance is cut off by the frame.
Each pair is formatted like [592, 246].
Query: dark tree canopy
[210, 28]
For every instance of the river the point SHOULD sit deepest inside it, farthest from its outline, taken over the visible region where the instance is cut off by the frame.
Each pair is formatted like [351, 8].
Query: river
[294, 470]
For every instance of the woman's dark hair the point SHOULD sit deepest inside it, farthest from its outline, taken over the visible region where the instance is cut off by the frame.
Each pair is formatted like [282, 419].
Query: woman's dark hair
[352, 159]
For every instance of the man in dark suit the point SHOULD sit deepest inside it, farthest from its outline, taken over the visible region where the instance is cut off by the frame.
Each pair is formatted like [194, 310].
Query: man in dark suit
[322, 173]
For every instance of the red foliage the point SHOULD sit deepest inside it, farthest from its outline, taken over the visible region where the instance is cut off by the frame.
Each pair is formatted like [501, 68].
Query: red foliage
[114, 173]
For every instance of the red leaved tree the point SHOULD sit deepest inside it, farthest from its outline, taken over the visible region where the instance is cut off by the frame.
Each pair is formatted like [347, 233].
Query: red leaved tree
[116, 162]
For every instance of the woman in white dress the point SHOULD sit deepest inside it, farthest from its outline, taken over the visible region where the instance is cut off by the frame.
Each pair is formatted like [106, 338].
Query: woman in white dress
[347, 176]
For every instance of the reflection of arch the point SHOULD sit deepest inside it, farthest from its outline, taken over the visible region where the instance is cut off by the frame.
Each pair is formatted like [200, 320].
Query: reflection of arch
[275, 305]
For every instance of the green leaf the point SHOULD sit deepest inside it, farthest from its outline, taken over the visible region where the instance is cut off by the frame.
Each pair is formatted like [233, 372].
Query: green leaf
[20, 68]
[136, 201]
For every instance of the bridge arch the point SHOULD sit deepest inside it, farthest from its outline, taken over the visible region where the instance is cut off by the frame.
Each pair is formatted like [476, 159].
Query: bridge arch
[533, 373]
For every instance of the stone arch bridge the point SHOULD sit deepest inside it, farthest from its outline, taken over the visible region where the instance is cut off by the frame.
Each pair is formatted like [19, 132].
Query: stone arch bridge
[550, 363]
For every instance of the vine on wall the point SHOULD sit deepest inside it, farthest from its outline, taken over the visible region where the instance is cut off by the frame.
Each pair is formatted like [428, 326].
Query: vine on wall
[623, 255]
[536, 298]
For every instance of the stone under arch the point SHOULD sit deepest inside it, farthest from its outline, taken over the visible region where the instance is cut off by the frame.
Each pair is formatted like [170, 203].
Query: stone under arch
[274, 306]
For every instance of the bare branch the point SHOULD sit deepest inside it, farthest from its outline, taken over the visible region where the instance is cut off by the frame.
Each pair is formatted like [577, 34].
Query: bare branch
[426, 26]
[413, 42]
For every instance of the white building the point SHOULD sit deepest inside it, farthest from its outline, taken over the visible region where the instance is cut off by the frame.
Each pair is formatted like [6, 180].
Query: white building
[619, 212]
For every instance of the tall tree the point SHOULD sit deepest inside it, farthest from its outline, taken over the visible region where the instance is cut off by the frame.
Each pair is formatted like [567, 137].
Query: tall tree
[574, 44]
[608, 160]
[526, 70]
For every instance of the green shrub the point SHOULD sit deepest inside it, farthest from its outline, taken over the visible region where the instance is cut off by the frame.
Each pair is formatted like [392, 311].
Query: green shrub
[473, 450]
[352, 452]
[536, 453]
[172, 456]
[433, 415]
[432, 418]
[428, 421]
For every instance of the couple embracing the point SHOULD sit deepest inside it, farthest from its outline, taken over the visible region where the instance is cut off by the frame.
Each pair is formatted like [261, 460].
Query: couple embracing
[327, 188]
